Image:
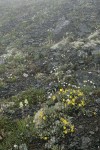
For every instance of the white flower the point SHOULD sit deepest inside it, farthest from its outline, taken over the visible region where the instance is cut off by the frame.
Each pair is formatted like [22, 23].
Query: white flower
[26, 102]
[21, 105]
[78, 87]
[85, 81]
[15, 146]
[89, 72]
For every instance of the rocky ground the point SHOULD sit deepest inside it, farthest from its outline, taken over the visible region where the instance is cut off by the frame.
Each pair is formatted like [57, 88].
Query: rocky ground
[46, 46]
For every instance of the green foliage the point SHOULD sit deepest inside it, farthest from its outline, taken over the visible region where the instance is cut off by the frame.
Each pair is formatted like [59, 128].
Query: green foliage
[8, 132]
[2, 84]
[32, 95]
[2, 68]
[11, 79]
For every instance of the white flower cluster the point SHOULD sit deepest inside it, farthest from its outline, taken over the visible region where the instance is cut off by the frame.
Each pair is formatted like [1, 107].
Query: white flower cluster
[22, 104]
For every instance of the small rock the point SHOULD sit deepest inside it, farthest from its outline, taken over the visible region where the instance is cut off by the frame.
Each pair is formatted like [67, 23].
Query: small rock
[85, 142]
[23, 147]
[1, 138]
[80, 126]
[73, 144]
[81, 62]
[96, 110]
[96, 129]
[91, 132]
[98, 101]
[25, 75]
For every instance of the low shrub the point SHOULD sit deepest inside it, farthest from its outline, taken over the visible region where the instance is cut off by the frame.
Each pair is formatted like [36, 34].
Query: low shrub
[54, 122]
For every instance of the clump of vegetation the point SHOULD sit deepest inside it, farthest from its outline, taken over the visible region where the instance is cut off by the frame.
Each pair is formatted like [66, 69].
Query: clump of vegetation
[32, 96]
[14, 133]
[53, 122]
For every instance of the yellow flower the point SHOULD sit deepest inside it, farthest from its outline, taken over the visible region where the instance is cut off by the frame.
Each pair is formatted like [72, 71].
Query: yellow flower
[64, 127]
[75, 97]
[82, 103]
[61, 90]
[63, 100]
[72, 128]
[65, 132]
[71, 93]
[70, 96]
[41, 114]
[64, 121]
[73, 102]
[74, 91]
[65, 105]
[53, 97]
[44, 117]
[79, 105]
[94, 113]
[69, 102]
[80, 93]
[45, 138]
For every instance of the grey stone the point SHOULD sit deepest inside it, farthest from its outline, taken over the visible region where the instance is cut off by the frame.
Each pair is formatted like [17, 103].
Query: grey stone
[98, 101]
[80, 126]
[23, 147]
[62, 22]
[91, 132]
[97, 129]
[73, 144]
[85, 142]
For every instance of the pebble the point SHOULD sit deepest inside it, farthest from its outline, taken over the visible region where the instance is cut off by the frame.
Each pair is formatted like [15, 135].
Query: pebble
[23, 147]
[85, 141]
[96, 129]
[98, 101]
[25, 75]
[91, 132]
[80, 126]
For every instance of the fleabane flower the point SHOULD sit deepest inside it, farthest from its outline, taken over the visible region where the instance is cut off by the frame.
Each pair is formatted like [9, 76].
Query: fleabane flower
[21, 105]
[26, 102]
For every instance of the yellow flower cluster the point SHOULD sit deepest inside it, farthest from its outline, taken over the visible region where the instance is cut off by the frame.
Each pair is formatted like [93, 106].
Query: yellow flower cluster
[71, 91]
[67, 126]
[44, 138]
[64, 121]
[72, 97]
[53, 97]
[82, 103]
[41, 114]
